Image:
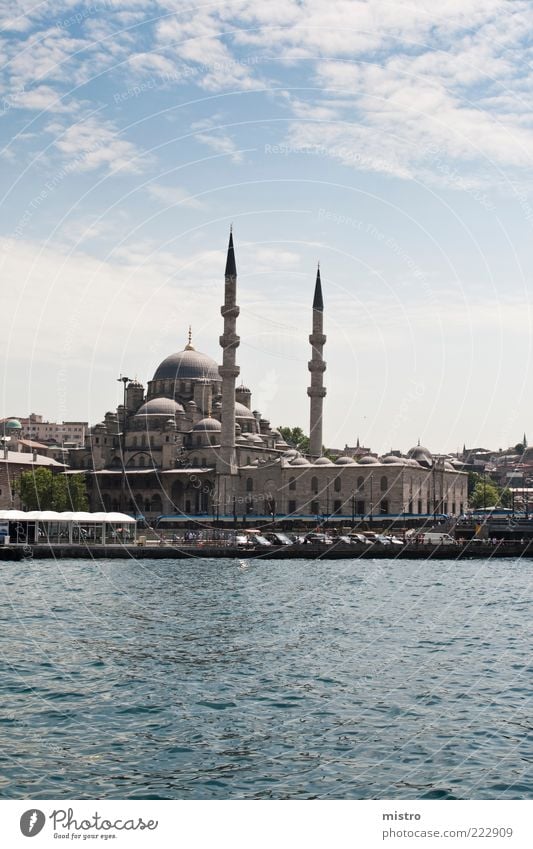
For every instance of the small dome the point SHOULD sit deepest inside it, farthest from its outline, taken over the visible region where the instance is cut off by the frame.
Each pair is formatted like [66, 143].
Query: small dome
[368, 460]
[242, 411]
[323, 461]
[300, 461]
[243, 388]
[390, 458]
[290, 454]
[254, 437]
[448, 466]
[13, 424]
[160, 407]
[345, 461]
[208, 424]
[187, 365]
[419, 452]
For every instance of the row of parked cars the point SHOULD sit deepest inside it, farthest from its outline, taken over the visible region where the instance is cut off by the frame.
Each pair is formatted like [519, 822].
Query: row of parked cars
[266, 539]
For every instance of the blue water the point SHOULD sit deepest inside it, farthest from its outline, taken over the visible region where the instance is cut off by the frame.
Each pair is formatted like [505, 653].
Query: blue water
[266, 679]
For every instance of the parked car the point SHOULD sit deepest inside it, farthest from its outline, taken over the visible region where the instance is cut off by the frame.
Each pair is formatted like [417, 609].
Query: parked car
[321, 539]
[360, 538]
[434, 538]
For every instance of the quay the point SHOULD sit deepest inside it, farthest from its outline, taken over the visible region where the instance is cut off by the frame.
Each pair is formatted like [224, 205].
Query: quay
[471, 549]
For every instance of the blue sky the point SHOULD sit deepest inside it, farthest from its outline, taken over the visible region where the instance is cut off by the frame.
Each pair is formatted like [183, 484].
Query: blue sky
[390, 141]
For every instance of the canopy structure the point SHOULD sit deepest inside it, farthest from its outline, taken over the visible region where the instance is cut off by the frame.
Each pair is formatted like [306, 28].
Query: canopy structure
[51, 527]
[53, 516]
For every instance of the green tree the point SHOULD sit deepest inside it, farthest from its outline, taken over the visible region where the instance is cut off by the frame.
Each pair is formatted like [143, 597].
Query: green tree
[40, 489]
[77, 492]
[296, 438]
[485, 494]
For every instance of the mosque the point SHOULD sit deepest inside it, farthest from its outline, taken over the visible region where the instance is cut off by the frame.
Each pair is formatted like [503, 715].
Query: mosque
[192, 446]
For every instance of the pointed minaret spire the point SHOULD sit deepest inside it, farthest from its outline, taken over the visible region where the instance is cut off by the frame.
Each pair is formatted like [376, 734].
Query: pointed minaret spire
[317, 367]
[524, 443]
[318, 302]
[231, 268]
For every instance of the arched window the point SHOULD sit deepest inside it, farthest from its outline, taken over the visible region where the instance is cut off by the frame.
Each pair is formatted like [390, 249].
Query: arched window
[360, 483]
[337, 484]
[134, 442]
[314, 485]
[292, 483]
[383, 484]
[141, 460]
[249, 485]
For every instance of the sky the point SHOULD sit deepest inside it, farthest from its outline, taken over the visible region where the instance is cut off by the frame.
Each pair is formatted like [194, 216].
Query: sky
[391, 141]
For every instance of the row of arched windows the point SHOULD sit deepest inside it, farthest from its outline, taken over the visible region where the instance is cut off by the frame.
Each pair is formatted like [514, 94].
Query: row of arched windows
[337, 484]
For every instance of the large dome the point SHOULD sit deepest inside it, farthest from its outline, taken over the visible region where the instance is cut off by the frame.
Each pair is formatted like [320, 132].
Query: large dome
[242, 411]
[187, 365]
[160, 407]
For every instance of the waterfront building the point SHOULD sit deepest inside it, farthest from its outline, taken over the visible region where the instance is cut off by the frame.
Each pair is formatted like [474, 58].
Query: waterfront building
[191, 444]
[17, 457]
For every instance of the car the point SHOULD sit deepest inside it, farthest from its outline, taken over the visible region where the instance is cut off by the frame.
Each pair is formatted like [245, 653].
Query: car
[320, 539]
[360, 538]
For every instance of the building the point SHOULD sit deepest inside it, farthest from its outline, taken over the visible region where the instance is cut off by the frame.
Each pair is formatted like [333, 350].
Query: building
[16, 457]
[53, 433]
[191, 444]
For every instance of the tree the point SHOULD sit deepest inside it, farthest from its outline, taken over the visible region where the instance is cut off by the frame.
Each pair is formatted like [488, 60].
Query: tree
[296, 438]
[520, 448]
[485, 494]
[39, 489]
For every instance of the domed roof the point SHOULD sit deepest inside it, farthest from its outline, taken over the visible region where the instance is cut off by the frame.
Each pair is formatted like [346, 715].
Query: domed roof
[345, 461]
[390, 458]
[187, 365]
[208, 424]
[160, 407]
[419, 451]
[290, 454]
[323, 461]
[13, 424]
[300, 461]
[368, 460]
[254, 437]
[242, 411]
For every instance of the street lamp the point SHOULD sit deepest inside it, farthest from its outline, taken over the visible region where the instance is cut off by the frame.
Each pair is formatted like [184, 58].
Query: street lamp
[122, 443]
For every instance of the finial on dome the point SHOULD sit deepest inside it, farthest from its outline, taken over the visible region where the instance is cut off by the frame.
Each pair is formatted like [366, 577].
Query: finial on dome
[189, 346]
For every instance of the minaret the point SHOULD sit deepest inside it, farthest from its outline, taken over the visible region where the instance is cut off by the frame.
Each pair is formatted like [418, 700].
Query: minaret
[229, 371]
[317, 367]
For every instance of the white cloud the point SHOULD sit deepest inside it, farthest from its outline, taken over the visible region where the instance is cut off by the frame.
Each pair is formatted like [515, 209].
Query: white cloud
[91, 144]
[221, 143]
[173, 196]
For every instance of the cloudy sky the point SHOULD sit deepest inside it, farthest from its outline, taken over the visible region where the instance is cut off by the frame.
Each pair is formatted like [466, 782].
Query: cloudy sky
[392, 141]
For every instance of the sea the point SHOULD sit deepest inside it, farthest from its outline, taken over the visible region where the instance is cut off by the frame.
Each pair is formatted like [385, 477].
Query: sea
[266, 679]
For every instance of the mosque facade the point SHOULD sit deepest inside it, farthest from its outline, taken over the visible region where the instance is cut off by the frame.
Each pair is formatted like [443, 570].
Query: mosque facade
[190, 444]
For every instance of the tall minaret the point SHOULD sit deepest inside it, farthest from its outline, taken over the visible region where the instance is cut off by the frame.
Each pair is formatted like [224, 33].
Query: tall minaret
[229, 371]
[317, 367]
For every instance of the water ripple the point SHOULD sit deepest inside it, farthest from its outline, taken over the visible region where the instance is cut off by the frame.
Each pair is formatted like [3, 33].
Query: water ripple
[286, 680]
